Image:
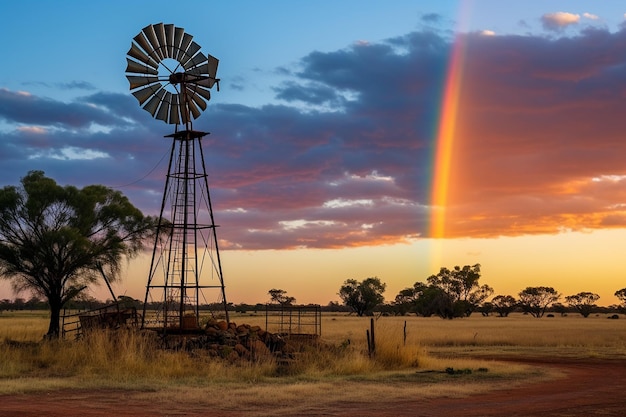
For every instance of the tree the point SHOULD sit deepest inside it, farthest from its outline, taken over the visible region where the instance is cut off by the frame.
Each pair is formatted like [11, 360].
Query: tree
[621, 295]
[421, 299]
[504, 304]
[486, 309]
[535, 300]
[55, 241]
[583, 302]
[460, 293]
[406, 300]
[362, 297]
[559, 308]
[280, 297]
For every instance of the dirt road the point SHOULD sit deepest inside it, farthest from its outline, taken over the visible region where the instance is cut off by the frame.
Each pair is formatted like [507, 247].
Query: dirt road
[590, 388]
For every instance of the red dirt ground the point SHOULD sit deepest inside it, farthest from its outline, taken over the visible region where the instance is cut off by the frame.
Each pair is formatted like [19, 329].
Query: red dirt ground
[590, 388]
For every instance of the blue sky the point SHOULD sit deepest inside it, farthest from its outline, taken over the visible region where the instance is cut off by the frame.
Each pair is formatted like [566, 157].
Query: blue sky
[323, 132]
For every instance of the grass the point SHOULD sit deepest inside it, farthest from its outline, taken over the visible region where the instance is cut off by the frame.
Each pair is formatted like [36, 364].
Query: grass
[466, 348]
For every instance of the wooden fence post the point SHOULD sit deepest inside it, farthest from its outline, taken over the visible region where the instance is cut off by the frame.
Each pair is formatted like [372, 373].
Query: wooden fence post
[404, 338]
[373, 337]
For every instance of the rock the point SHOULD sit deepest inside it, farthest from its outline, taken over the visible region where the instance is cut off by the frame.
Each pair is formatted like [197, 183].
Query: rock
[240, 349]
[258, 348]
[233, 356]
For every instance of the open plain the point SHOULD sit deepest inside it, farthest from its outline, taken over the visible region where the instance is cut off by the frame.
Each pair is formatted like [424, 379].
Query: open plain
[477, 366]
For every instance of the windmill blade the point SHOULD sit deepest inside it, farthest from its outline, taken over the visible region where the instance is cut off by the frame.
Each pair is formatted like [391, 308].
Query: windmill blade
[143, 43]
[169, 40]
[137, 81]
[136, 67]
[150, 34]
[174, 110]
[199, 70]
[178, 39]
[197, 60]
[164, 110]
[153, 104]
[189, 53]
[159, 31]
[213, 63]
[139, 55]
[184, 45]
[145, 93]
[203, 92]
[196, 98]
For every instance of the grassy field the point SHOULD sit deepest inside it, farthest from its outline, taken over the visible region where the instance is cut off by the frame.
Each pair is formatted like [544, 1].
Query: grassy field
[468, 349]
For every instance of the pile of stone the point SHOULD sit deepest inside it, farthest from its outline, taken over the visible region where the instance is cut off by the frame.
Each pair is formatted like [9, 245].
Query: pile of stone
[233, 342]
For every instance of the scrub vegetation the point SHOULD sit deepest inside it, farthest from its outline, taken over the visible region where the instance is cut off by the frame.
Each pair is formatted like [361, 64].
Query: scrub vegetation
[416, 355]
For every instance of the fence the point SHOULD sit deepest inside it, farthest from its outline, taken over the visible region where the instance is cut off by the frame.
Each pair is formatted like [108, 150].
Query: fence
[294, 320]
[110, 316]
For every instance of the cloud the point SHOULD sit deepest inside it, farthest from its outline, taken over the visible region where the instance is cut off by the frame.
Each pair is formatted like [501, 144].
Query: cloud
[71, 85]
[431, 18]
[347, 158]
[559, 20]
[336, 142]
[590, 16]
[24, 108]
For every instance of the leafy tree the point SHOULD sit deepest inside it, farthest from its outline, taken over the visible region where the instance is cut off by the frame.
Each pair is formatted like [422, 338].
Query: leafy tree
[421, 299]
[535, 300]
[460, 293]
[280, 297]
[429, 301]
[621, 295]
[559, 308]
[362, 297]
[504, 304]
[129, 302]
[55, 241]
[486, 309]
[583, 302]
[407, 299]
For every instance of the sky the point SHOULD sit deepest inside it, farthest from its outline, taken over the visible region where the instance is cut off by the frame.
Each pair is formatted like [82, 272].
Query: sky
[350, 139]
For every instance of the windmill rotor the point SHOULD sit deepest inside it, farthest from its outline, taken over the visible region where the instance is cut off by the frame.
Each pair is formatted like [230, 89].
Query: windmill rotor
[169, 75]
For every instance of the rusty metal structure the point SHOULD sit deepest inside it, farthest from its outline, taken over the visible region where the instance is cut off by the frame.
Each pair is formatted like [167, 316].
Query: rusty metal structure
[171, 79]
[294, 321]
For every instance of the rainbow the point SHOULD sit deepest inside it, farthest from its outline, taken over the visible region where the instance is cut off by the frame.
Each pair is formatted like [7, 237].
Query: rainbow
[446, 131]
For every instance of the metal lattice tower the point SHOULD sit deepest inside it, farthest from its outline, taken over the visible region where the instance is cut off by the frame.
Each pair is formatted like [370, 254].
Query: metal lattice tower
[171, 79]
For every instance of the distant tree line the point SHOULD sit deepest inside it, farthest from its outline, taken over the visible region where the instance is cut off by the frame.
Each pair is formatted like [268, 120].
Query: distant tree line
[365, 298]
[456, 292]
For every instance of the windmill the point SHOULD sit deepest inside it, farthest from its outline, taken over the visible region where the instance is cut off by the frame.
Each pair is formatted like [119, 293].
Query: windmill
[171, 79]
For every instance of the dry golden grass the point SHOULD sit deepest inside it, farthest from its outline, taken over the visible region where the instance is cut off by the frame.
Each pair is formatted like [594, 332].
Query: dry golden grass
[23, 325]
[416, 368]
